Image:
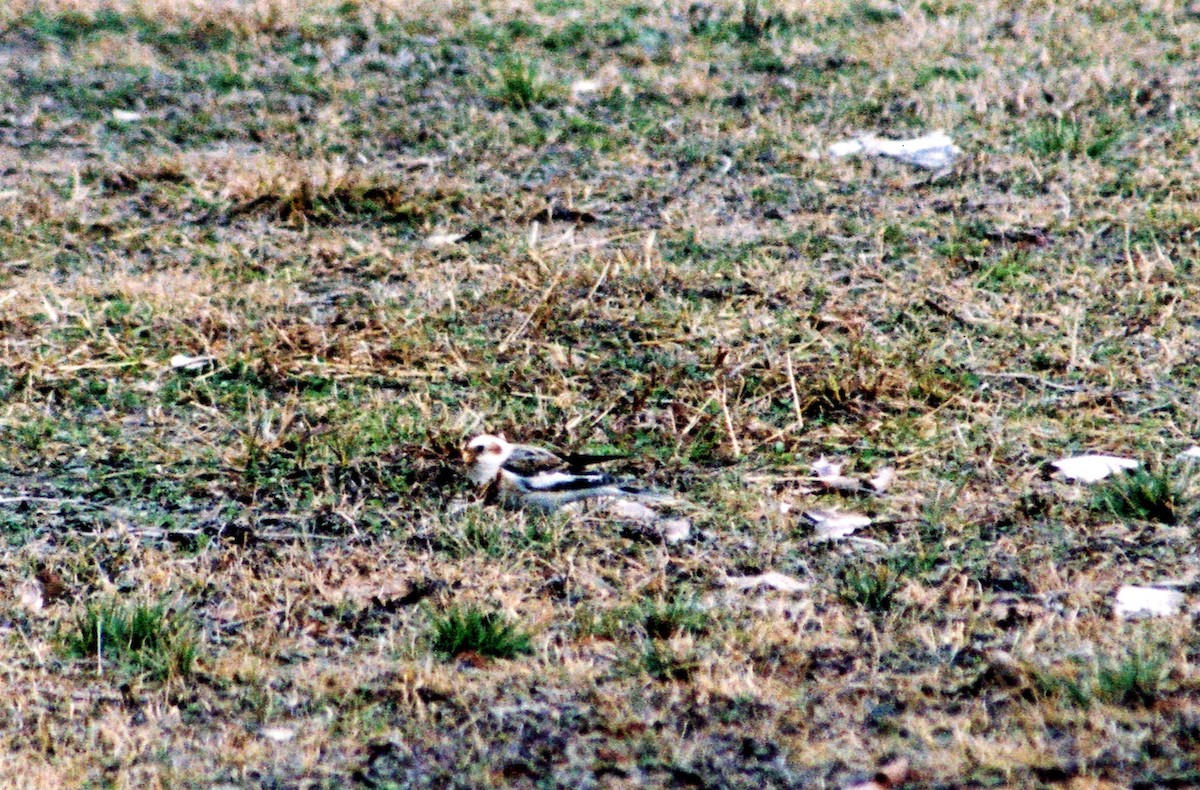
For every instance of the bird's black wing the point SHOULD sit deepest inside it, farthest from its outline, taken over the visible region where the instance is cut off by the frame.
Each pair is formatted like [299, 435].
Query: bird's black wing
[527, 461]
[579, 461]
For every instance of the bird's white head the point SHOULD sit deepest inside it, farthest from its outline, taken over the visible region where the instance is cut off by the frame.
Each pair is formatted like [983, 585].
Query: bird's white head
[484, 455]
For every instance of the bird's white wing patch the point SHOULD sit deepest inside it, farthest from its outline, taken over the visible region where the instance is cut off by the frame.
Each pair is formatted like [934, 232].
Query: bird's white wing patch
[558, 481]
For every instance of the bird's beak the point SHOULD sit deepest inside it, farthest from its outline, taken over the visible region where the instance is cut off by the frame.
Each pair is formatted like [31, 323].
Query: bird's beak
[468, 456]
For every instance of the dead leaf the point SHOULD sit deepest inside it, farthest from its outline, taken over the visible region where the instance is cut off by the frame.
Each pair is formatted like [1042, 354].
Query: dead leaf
[840, 483]
[828, 474]
[470, 658]
[53, 587]
[186, 362]
[441, 240]
[438, 240]
[675, 530]
[832, 525]
[772, 579]
[883, 479]
[823, 467]
[630, 510]
[418, 590]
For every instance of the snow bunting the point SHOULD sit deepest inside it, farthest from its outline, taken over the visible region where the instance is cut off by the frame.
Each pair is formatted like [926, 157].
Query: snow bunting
[527, 475]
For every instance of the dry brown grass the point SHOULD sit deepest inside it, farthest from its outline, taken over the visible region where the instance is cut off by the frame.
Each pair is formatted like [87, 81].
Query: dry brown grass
[666, 266]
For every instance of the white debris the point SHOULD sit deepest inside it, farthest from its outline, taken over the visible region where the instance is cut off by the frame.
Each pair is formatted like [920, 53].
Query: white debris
[185, 362]
[840, 482]
[823, 467]
[1190, 454]
[831, 525]
[772, 579]
[883, 479]
[933, 151]
[460, 505]
[584, 88]
[829, 474]
[1134, 602]
[1093, 468]
[630, 510]
[845, 148]
[125, 116]
[31, 594]
[675, 530]
[438, 240]
[278, 734]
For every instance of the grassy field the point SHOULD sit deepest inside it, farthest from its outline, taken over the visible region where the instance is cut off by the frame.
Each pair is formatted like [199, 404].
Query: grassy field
[609, 226]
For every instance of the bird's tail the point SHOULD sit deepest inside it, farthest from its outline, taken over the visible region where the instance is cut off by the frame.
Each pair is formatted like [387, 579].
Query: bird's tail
[580, 461]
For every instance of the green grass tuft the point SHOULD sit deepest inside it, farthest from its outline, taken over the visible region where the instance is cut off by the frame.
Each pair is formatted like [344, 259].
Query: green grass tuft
[474, 631]
[1137, 679]
[653, 618]
[519, 83]
[1140, 495]
[1053, 137]
[136, 637]
[871, 586]
[678, 616]
[664, 663]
